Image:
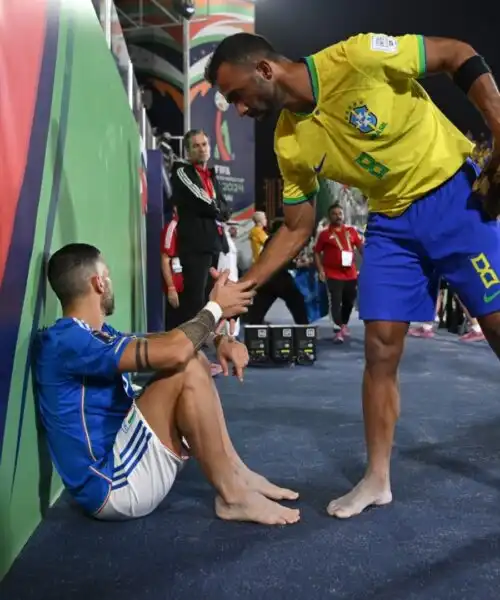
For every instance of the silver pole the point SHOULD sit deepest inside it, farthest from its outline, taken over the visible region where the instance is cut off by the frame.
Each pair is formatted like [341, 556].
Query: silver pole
[186, 55]
[107, 21]
[130, 84]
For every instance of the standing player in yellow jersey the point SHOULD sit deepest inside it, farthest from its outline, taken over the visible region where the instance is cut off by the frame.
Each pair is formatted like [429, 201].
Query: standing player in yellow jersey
[356, 114]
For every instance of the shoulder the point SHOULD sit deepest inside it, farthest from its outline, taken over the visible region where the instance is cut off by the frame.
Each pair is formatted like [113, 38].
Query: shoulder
[179, 166]
[287, 122]
[109, 331]
[287, 150]
[61, 337]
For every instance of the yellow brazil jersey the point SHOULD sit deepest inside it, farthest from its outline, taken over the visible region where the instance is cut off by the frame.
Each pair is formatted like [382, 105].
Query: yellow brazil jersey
[374, 126]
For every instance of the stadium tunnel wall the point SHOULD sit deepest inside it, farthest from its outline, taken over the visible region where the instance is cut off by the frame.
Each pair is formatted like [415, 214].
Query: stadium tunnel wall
[69, 171]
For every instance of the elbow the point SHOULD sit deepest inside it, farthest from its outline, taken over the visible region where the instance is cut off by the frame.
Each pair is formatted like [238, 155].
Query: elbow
[184, 353]
[306, 230]
[178, 353]
[454, 54]
[461, 53]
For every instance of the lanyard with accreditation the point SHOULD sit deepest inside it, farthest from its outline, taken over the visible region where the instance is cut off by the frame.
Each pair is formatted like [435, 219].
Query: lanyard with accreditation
[347, 256]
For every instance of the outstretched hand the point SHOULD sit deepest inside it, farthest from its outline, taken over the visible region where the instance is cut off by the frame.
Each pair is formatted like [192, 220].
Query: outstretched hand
[233, 298]
[217, 275]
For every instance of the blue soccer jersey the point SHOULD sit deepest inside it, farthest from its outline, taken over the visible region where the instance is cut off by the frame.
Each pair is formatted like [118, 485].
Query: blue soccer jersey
[83, 399]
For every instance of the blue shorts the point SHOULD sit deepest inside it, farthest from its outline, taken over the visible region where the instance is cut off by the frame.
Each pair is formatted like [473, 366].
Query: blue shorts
[444, 234]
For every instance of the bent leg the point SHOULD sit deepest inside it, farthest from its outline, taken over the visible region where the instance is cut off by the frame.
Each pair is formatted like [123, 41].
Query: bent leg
[186, 404]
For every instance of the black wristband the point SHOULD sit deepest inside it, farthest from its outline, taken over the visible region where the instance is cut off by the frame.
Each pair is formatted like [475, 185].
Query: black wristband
[469, 71]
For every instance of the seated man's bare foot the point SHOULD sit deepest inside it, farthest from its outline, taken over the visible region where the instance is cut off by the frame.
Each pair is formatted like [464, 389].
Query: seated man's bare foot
[260, 484]
[370, 491]
[256, 508]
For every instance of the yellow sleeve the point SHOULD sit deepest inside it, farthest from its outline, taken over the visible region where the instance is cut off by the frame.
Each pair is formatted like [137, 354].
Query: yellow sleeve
[385, 57]
[298, 184]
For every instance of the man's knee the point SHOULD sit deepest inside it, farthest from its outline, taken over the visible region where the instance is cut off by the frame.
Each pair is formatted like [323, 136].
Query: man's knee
[384, 344]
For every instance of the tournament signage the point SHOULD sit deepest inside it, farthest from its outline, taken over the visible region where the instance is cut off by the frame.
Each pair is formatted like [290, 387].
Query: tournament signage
[232, 141]
[232, 138]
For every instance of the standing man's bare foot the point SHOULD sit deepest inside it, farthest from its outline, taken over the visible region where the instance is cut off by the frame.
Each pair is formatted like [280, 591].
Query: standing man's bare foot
[254, 507]
[260, 484]
[370, 491]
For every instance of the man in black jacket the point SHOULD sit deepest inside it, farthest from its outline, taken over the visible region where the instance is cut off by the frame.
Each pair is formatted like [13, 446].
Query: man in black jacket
[202, 210]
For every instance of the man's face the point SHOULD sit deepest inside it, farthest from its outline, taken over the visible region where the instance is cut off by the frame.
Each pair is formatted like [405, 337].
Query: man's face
[253, 89]
[199, 149]
[336, 216]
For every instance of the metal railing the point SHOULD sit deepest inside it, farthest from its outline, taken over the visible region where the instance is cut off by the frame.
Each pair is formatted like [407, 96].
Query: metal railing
[115, 38]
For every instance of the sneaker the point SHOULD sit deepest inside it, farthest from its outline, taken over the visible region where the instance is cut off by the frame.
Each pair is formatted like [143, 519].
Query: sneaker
[344, 330]
[421, 332]
[472, 336]
[215, 369]
[338, 338]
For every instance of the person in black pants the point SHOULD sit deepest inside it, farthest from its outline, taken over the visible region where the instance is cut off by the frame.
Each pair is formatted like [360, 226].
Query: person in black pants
[202, 210]
[282, 285]
[335, 261]
[342, 297]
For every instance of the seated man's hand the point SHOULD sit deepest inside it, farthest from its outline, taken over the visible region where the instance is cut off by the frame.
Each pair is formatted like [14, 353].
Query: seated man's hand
[231, 351]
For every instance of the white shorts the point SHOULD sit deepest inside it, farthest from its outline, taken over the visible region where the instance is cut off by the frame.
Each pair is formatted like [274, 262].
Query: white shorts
[144, 470]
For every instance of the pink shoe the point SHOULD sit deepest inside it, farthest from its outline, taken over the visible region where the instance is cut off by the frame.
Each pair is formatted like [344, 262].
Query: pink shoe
[472, 336]
[338, 338]
[215, 369]
[344, 330]
[421, 332]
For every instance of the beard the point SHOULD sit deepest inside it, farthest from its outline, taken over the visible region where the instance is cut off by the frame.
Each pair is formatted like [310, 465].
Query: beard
[108, 304]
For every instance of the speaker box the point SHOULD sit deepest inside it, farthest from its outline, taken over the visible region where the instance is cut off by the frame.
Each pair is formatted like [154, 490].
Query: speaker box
[282, 344]
[305, 344]
[258, 343]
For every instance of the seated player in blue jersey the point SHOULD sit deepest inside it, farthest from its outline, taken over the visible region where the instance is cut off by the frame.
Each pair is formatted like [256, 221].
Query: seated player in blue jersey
[356, 113]
[118, 454]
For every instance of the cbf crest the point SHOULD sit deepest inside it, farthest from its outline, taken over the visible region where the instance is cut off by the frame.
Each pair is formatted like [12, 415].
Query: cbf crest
[364, 120]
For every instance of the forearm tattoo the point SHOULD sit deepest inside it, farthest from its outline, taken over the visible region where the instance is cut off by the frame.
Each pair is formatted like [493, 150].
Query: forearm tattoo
[199, 329]
[142, 355]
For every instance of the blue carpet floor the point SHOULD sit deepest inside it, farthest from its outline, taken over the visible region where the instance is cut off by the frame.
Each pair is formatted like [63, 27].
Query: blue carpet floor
[302, 427]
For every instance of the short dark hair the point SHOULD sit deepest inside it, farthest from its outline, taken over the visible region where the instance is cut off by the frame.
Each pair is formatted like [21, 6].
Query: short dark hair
[334, 206]
[190, 135]
[69, 269]
[239, 48]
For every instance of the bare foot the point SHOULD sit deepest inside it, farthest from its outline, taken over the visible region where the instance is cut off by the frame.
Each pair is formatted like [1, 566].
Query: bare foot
[260, 484]
[369, 492]
[256, 508]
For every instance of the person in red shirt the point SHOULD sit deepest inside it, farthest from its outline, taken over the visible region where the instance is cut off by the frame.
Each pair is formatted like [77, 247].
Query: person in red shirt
[173, 283]
[334, 256]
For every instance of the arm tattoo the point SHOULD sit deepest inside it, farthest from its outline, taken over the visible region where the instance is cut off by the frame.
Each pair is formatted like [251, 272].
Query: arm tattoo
[138, 357]
[199, 329]
[146, 355]
[142, 355]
